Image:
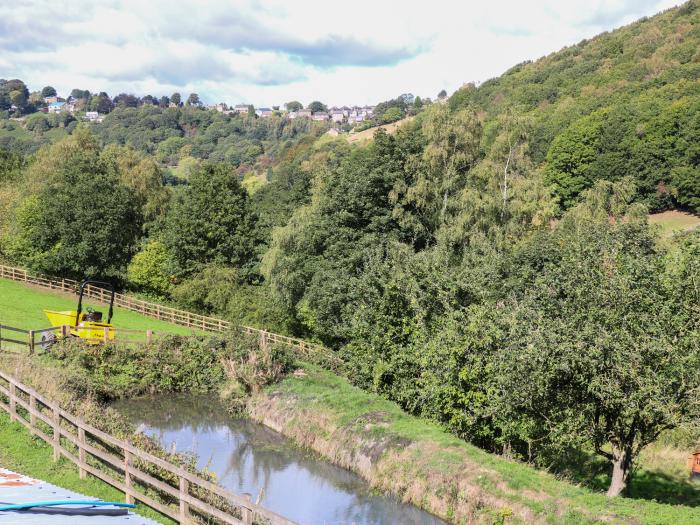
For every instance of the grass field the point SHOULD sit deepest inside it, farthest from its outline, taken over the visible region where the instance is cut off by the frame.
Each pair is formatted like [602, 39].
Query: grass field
[21, 306]
[673, 221]
[31, 456]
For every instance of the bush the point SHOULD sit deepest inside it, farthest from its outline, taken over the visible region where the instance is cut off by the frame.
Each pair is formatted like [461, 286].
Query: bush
[171, 364]
[149, 270]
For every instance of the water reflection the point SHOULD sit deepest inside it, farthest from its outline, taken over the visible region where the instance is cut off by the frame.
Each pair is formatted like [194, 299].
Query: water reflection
[248, 457]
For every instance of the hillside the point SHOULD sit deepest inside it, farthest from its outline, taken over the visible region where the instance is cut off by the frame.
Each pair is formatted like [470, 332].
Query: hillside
[626, 102]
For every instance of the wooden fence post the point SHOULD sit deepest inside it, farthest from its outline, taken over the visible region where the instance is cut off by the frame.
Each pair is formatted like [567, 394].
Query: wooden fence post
[56, 433]
[31, 342]
[65, 330]
[32, 409]
[129, 498]
[149, 336]
[246, 513]
[184, 506]
[13, 403]
[81, 452]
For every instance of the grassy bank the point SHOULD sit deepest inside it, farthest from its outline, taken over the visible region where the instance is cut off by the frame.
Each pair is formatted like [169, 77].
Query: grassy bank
[21, 306]
[425, 466]
[21, 452]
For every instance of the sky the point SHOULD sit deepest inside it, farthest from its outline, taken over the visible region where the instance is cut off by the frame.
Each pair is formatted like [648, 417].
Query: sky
[268, 52]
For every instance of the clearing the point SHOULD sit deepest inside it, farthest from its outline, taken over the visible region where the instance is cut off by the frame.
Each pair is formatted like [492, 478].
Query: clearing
[674, 221]
[368, 134]
[21, 306]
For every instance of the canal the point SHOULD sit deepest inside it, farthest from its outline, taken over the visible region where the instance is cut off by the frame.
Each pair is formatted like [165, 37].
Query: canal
[250, 458]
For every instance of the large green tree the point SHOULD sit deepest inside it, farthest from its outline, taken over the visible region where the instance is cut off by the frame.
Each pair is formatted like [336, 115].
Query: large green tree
[81, 221]
[210, 221]
[602, 348]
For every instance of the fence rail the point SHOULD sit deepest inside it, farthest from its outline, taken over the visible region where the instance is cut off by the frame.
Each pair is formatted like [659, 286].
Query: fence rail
[12, 337]
[156, 311]
[125, 466]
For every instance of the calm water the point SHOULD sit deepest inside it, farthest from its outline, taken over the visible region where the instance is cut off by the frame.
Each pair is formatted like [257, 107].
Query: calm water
[248, 457]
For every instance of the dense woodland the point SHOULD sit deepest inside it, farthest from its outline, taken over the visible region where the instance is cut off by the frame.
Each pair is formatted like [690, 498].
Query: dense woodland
[489, 266]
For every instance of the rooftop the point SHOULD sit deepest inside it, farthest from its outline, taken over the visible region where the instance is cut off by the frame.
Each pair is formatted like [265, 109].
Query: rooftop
[19, 489]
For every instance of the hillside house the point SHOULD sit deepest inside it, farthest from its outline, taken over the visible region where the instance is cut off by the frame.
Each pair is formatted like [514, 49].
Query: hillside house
[319, 115]
[263, 112]
[304, 113]
[337, 115]
[241, 108]
[56, 107]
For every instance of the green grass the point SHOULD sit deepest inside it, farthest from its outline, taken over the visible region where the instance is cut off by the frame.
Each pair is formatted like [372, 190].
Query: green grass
[322, 392]
[674, 221]
[23, 453]
[22, 306]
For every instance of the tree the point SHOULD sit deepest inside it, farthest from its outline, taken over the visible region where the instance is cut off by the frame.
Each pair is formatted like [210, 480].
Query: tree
[442, 94]
[85, 223]
[175, 98]
[210, 221]
[600, 350]
[193, 100]
[101, 103]
[48, 91]
[687, 181]
[317, 106]
[80, 94]
[150, 269]
[418, 103]
[126, 100]
[392, 115]
[294, 105]
[426, 199]
[164, 102]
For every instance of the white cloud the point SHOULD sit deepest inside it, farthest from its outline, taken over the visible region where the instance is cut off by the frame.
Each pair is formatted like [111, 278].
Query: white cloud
[271, 51]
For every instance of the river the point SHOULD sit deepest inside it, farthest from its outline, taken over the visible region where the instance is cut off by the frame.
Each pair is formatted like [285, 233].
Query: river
[250, 458]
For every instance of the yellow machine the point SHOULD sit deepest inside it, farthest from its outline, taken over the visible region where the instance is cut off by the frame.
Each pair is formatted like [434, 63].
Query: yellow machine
[86, 325]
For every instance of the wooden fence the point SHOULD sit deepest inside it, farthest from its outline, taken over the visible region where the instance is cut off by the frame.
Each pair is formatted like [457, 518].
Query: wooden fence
[12, 337]
[158, 311]
[126, 467]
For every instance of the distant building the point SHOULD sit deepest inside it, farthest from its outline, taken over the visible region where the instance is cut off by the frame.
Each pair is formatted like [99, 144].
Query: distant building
[92, 116]
[291, 115]
[263, 112]
[56, 107]
[337, 115]
[172, 105]
[304, 113]
[51, 100]
[220, 108]
[319, 115]
[241, 108]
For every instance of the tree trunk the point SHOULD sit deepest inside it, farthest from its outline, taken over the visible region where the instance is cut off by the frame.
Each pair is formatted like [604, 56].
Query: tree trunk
[622, 463]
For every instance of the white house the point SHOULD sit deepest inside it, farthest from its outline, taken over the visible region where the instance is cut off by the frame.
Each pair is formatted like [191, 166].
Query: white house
[241, 108]
[319, 115]
[56, 107]
[263, 112]
[304, 113]
[337, 115]
[92, 116]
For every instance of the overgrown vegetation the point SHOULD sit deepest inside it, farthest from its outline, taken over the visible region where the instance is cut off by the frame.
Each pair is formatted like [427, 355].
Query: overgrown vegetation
[424, 465]
[489, 266]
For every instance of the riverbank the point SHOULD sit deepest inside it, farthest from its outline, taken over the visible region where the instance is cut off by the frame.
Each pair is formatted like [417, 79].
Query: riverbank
[425, 466]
